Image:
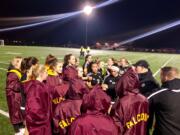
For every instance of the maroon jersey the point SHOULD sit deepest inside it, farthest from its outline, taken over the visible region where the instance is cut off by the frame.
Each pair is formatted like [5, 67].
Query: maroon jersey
[58, 94]
[68, 110]
[59, 89]
[76, 85]
[38, 108]
[53, 80]
[130, 112]
[94, 120]
[93, 124]
[13, 86]
[65, 114]
[70, 73]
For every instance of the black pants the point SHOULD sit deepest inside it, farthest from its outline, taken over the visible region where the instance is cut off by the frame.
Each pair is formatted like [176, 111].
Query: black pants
[18, 126]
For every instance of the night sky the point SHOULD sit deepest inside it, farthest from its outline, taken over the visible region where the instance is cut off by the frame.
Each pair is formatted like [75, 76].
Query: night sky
[116, 22]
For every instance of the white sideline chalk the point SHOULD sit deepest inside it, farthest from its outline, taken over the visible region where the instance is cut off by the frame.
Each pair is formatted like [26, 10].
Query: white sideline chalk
[4, 113]
[163, 66]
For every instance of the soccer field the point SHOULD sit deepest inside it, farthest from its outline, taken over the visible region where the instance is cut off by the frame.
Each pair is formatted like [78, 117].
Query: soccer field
[155, 60]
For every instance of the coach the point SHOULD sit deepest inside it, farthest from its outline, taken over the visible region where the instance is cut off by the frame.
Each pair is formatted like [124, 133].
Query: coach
[165, 104]
[148, 84]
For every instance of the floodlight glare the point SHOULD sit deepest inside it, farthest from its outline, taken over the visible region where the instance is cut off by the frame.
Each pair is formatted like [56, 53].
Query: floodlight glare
[87, 9]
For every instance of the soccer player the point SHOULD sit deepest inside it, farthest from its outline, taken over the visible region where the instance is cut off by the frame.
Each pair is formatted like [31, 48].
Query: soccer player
[164, 104]
[66, 112]
[54, 69]
[38, 103]
[102, 68]
[131, 110]
[13, 87]
[94, 119]
[123, 65]
[69, 60]
[95, 76]
[86, 65]
[110, 62]
[110, 82]
[27, 66]
[48, 60]
[55, 81]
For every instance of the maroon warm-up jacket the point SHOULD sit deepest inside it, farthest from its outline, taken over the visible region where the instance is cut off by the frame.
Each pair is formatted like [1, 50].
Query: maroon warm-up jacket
[53, 80]
[59, 89]
[68, 110]
[65, 114]
[130, 112]
[94, 120]
[58, 94]
[13, 86]
[38, 108]
[70, 73]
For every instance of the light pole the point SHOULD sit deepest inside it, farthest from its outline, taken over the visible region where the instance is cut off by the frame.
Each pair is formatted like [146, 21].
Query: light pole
[87, 11]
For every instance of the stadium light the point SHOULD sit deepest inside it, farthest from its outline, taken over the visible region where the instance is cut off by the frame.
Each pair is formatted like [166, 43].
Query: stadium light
[88, 10]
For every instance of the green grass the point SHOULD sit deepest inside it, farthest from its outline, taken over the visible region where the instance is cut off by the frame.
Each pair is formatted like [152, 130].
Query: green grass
[5, 126]
[156, 60]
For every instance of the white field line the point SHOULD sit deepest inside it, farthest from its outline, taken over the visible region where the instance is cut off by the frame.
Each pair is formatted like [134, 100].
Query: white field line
[163, 66]
[4, 113]
[3, 69]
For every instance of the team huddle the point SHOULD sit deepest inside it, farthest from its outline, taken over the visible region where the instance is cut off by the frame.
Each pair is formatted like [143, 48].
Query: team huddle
[98, 98]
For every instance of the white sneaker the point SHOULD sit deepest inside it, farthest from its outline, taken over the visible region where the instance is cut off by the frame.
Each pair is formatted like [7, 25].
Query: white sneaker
[19, 133]
[22, 130]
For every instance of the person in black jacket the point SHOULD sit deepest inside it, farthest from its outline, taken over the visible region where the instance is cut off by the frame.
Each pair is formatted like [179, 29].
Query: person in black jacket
[94, 77]
[148, 84]
[165, 104]
[123, 66]
[110, 82]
